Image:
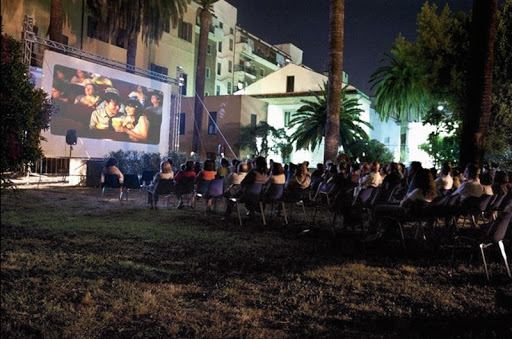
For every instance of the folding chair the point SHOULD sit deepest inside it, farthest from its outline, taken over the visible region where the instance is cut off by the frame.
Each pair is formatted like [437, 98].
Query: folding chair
[273, 196]
[185, 188]
[111, 181]
[131, 182]
[296, 197]
[162, 187]
[215, 191]
[202, 189]
[494, 235]
[474, 208]
[250, 196]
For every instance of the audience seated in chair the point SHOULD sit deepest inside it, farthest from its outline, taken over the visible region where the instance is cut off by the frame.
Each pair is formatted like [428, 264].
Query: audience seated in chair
[165, 173]
[111, 168]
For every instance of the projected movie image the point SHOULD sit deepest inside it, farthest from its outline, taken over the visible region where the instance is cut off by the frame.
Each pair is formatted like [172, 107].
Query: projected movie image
[101, 107]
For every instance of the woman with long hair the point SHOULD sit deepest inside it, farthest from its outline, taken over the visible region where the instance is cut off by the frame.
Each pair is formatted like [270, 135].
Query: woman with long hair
[135, 124]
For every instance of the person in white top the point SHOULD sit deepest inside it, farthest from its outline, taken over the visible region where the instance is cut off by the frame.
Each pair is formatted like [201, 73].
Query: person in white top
[471, 187]
[445, 180]
[372, 179]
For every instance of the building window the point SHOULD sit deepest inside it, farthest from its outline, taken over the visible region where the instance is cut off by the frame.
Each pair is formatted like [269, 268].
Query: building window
[185, 31]
[208, 72]
[218, 90]
[229, 88]
[182, 123]
[230, 44]
[218, 68]
[212, 123]
[209, 49]
[206, 94]
[184, 87]
[253, 120]
[262, 72]
[221, 25]
[220, 47]
[231, 30]
[230, 66]
[158, 69]
[287, 116]
[290, 83]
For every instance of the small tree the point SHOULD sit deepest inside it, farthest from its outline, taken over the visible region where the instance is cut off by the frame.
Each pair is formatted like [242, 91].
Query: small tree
[25, 111]
[369, 151]
[254, 139]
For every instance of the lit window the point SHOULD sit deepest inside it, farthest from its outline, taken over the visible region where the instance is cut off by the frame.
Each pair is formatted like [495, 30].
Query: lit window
[212, 123]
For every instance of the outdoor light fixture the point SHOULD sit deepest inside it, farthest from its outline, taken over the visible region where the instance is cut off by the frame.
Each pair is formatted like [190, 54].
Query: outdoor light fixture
[440, 107]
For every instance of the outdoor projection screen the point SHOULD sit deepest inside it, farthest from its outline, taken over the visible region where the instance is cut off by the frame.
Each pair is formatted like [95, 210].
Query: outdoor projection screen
[71, 112]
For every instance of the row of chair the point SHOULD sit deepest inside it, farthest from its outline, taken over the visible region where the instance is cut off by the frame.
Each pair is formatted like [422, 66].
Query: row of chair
[485, 214]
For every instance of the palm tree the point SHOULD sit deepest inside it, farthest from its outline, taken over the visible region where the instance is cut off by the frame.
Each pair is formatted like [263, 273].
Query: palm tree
[336, 32]
[400, 86]
[204, 29]
[56, 18]
[126, 19]
[401, 89]
[311, 118]
[476, 117]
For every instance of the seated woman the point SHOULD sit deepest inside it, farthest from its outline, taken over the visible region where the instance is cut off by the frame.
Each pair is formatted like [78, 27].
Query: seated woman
[223, 170]
[135, 124]
[258, 175]
[165, 173]
[232, 187]
[208, 171]
[276, 177]
[444, 182]
[180, 178]
[111, 168]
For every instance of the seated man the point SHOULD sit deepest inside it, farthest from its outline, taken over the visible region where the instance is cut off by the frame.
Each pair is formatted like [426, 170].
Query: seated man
[101, 117]
[471, 187]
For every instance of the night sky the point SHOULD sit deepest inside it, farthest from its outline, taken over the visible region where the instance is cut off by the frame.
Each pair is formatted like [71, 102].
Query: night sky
[371, 26]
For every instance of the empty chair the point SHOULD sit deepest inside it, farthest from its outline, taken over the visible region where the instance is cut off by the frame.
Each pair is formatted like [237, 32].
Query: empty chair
[495, 235]
[130, 183]
[474, 208]
[146, 178]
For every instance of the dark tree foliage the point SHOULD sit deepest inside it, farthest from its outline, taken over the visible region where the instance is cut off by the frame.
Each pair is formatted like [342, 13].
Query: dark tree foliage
[369, 151]
[25, 111]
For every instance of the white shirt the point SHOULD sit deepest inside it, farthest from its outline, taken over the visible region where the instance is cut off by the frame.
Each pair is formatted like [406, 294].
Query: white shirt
[444, 182]
[470, 188]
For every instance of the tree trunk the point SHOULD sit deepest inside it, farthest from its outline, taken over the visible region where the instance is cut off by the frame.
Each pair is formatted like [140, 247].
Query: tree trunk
[206, 19]
[336, 32]
[131, 50]
[55, 28]
[478, 104]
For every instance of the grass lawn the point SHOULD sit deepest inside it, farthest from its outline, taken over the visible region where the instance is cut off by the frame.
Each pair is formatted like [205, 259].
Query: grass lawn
[74, 266]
